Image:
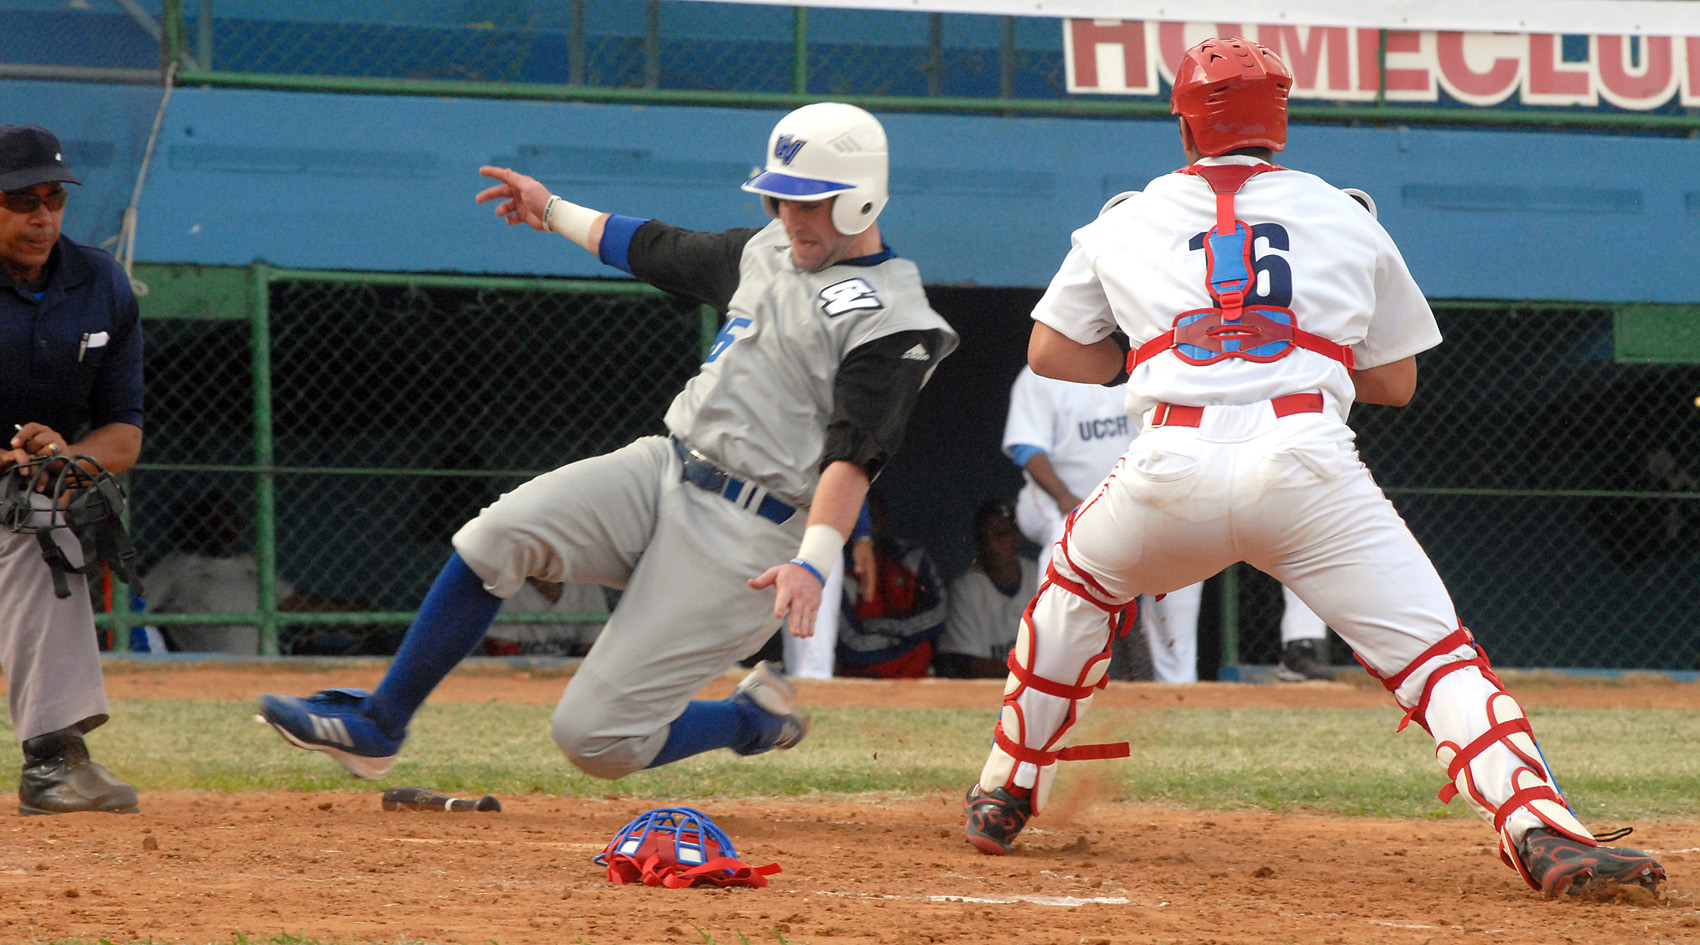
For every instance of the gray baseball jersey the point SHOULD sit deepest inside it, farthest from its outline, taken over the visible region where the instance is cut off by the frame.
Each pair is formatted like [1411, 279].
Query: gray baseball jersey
[762, 402]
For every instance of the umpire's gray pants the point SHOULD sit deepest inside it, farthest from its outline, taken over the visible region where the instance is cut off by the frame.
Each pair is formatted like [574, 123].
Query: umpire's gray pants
[683, 557]
[48, 648]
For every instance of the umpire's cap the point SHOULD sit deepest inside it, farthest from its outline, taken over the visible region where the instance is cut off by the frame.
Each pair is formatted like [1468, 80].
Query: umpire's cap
[30, 155]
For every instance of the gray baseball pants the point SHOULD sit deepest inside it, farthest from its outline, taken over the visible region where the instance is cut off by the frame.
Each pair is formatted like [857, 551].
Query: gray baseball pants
[48, 649]
[683, 557]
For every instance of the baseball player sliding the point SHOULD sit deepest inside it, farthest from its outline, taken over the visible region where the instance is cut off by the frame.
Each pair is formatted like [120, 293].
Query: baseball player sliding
[803, 398]
[1259, 303]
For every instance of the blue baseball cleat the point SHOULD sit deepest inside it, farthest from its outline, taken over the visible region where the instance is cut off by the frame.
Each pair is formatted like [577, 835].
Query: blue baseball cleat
[769, 690]
[334, 721]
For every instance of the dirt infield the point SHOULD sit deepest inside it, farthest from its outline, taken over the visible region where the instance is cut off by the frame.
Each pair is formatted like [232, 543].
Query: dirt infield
[206, 867]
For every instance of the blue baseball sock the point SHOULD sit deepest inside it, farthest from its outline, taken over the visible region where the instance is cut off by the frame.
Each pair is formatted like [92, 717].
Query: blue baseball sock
[452, 619]
[725, 723]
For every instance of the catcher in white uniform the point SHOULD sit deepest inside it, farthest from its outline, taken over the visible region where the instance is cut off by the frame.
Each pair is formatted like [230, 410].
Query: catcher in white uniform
[1260, 303]
[1066, 437]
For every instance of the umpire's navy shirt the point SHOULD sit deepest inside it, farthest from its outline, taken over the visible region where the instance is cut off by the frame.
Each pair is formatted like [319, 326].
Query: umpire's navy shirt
[42, 377]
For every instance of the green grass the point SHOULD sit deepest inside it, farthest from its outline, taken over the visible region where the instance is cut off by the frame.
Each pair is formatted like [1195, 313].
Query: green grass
[1615, 765]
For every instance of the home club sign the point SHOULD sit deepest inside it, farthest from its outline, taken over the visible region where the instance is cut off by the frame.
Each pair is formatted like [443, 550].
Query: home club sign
[1340, 63]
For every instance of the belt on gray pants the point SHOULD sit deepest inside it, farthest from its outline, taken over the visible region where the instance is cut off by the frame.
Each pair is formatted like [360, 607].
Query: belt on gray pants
[700, 471]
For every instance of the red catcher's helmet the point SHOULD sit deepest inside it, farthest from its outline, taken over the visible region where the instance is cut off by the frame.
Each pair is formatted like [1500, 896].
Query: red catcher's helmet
[1232, 93]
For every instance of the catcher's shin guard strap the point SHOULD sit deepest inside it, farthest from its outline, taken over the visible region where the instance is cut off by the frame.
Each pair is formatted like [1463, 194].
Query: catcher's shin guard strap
[1452, 641]
[1526, 797]
[1476, 747]
[1081, 590]
[1051, 687]
[1043, 757]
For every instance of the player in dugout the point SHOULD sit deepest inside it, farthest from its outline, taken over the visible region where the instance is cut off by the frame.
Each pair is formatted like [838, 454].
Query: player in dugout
[1259, 303]
[803, 399]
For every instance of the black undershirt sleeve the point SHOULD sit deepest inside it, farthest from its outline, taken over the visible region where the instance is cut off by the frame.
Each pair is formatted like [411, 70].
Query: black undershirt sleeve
[874, 395]
[1122, 342]
[702, 267]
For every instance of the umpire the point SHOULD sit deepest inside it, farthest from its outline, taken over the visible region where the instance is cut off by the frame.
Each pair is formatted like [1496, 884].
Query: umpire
[70, 361]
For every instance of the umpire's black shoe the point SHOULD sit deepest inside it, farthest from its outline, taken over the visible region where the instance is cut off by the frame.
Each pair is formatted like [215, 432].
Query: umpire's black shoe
[1562, 865]
[994, 818]
[59, 778]
[1304, 659]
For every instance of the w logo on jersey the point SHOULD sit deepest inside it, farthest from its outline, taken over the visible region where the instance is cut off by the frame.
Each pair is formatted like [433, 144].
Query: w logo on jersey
[787, 147]
[849, 296]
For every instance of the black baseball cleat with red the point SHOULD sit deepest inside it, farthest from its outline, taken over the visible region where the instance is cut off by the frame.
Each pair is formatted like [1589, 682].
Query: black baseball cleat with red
[1561, 865]
[994, 818]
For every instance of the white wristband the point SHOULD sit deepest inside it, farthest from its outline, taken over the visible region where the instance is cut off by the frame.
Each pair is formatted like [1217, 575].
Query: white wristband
[822, 545]
[569, 219]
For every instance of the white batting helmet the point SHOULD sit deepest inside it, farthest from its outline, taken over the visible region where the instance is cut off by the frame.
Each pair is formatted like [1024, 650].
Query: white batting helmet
[829, 149]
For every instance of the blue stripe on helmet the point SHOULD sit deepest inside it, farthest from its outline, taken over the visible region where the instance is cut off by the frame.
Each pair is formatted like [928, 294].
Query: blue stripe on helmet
[786, 185]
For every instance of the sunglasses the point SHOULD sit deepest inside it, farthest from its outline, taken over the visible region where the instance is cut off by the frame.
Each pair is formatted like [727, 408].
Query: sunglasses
[27, 201]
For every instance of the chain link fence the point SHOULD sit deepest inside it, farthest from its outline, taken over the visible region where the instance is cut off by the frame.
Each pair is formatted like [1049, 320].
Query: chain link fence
[654, 45]
[1552, 483]
[388, 411]
[1553, 486]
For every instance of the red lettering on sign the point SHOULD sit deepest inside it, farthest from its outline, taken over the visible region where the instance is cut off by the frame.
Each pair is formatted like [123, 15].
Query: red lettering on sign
[1549, 82]
[1691, 88]
[1172, 42]
[1466, 84]
[1085, 36]
[1398, 80]
[1342, 64]
[1327, 45]
[1635, 85]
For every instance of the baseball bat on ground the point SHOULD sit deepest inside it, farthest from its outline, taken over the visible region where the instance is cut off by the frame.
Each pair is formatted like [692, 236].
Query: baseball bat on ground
[413, 798]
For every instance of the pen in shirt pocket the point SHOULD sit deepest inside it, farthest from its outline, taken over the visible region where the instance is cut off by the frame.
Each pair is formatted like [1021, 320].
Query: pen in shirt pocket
[82, 347]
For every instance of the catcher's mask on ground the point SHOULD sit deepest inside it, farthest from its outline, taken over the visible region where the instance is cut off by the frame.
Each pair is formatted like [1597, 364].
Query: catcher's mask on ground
[74, 493]
[678, 847]
[684, 835]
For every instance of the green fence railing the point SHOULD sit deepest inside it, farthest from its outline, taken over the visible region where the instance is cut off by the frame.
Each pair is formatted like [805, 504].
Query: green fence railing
[1550, 464]
[354, 420]
[722, 54]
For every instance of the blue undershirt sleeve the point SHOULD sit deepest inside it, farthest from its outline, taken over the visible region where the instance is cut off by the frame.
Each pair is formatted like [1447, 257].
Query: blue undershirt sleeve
[1022, 454]
[617, 239]
[864, 527]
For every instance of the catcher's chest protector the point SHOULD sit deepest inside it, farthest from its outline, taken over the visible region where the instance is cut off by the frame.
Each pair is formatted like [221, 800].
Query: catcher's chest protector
[1230, 328]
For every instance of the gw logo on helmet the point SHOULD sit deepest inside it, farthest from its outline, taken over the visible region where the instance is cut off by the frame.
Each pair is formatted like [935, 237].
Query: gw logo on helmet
[847, 165]
[785, 147]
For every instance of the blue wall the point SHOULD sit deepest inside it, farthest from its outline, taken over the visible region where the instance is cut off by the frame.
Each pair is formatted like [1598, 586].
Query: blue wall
[386, 183]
